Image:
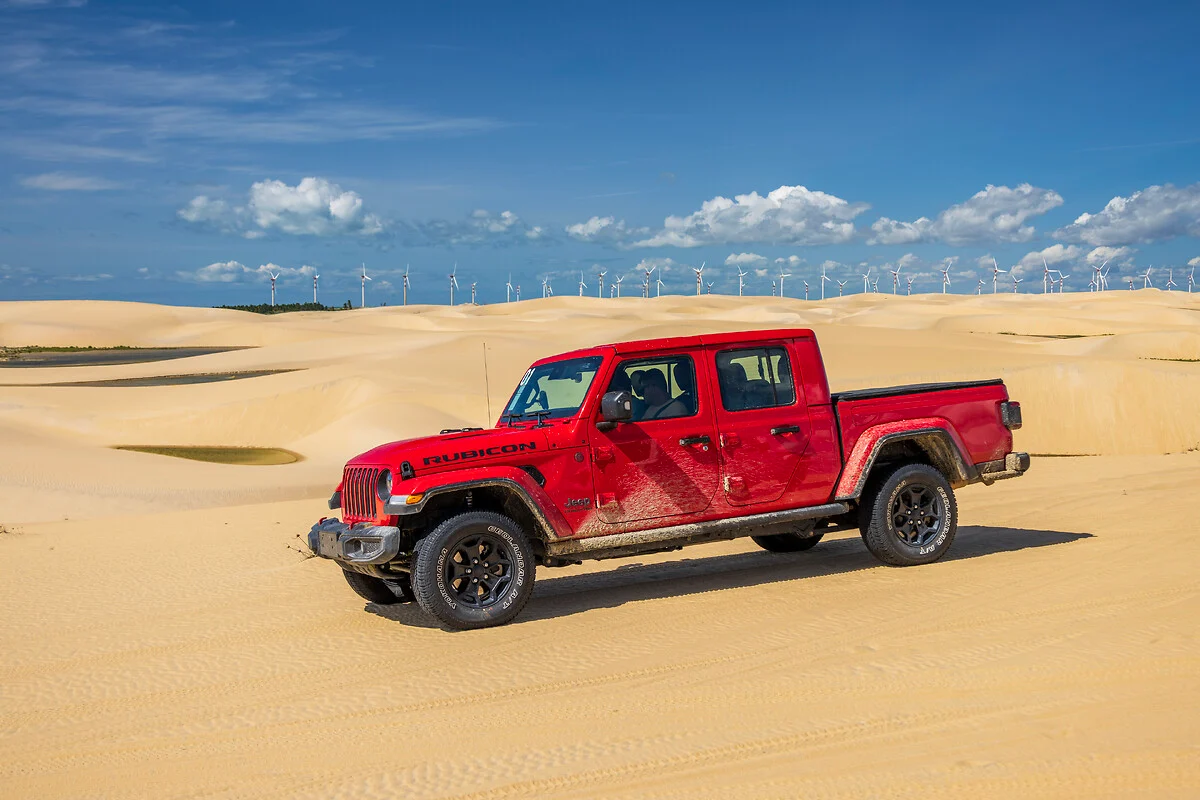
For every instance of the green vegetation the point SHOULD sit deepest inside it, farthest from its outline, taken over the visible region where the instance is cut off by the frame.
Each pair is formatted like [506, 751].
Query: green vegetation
[9, 353]
[1178, 360]
[284, 308]
[255, 456]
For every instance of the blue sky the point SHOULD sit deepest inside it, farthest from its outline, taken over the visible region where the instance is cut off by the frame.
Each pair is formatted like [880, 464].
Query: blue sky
[175, 154]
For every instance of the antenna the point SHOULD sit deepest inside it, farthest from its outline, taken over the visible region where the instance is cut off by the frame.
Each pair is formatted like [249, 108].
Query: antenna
[487, 388]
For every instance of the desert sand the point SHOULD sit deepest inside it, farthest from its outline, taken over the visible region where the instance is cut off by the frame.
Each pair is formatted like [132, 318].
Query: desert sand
[163, 634]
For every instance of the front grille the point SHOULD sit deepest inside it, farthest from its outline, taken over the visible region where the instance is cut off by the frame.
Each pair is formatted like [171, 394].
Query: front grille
[359, 492]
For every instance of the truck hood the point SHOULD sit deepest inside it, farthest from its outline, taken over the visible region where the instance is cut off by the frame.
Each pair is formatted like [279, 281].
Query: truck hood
[457, 450]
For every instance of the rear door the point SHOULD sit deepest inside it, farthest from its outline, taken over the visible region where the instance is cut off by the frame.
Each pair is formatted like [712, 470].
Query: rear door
[762, 419]
[664, 462]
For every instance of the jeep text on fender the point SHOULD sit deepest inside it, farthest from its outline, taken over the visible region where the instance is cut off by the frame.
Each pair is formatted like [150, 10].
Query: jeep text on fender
[648, 446]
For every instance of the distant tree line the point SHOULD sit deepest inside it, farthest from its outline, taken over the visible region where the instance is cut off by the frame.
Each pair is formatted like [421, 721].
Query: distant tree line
[283, 308]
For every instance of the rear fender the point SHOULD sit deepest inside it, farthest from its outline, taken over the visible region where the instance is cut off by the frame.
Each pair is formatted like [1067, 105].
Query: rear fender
[519, 483]
[936, 438]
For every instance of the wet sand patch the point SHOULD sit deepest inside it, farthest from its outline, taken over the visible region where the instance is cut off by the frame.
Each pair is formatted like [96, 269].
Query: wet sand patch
[99, 356]
[253, 456]
[166, 380]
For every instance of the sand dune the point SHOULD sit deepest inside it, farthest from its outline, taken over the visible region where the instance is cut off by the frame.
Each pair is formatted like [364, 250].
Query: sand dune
[160, 639]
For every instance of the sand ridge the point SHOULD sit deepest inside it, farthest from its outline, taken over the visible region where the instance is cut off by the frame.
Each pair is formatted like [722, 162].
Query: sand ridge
[164, 635]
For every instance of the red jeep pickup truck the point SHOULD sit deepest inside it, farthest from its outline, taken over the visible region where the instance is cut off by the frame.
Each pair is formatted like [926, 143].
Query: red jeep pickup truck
[649, 446]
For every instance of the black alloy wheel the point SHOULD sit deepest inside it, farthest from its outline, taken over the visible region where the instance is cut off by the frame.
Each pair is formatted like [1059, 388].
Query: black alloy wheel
[918, 514]
[480, 570]
[909, 515]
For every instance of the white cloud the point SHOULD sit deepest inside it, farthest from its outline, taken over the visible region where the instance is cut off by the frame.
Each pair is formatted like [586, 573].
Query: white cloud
[235, 271]
[745, 260]
[1156, 212]
[663, 265]
[1101, 254]
[788, 215]
[313, 207]
[791, 262]
[66, 182]
[1195, 262]
[1031, 263]
[760, 273]
[995, 214]
[480, 227]
[604, 230]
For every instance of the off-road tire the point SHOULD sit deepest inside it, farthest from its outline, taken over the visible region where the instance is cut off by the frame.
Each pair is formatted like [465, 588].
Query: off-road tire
[377, 590]
[787, 542]
[446, 590]
[909, 516]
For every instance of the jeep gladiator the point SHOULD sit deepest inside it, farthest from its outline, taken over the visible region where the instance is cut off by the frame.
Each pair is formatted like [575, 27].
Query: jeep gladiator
[648, 446]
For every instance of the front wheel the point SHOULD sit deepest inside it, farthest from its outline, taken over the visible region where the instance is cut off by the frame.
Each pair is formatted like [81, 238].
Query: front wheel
[911, 518]
[474, 570]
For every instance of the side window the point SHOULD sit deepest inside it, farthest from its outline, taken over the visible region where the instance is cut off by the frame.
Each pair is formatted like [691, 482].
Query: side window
[759, 377]
[662, 388]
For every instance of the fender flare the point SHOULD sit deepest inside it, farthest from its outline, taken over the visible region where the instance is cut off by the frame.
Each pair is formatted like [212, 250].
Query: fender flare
[936, 438]
[552, 524]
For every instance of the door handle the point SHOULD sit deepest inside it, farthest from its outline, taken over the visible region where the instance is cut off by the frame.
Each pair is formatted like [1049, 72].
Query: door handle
[782, 429]
[689, 440]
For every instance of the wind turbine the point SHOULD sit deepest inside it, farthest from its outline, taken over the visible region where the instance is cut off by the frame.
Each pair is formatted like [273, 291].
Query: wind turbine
[582, 285]
[824, 278]
[774, 287]
[741, 280]
[1129, 281]
[875, 286]
[617, 284]
[1016, 281]
[945, 279]
[867, 280]
[996, 271]
[274, 277]
[365, 278]
[453, 281]
[1146, 282]
[782, 276]
[910, 280]
[1045, 275]
[404, 283]
[315, 288]
[659, 283]
[1097, 283]
[548, 287]
[1104, 278]
[518, 292]
[841, 286]
[1191, 279]
[805, 289]
[709, 286]
[600, 283]
[896, 279]
[979, 288]
[1092, 281]
[508, 288]
[699, 276]
[646, 282]
[1171, 284]
[1061, 279]
[473, 294]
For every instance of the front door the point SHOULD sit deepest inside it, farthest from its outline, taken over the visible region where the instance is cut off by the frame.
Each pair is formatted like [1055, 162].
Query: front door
[762, 421]
[664, 462]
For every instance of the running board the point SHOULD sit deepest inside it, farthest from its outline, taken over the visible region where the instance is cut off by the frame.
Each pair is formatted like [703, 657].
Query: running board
[616, 545]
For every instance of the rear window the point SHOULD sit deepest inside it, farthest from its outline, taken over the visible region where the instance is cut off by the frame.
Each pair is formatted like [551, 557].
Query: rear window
[758, 377]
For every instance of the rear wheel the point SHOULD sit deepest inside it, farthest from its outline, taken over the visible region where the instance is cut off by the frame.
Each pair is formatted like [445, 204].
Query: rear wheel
[910, 517]
[377, 590]
[474, 570]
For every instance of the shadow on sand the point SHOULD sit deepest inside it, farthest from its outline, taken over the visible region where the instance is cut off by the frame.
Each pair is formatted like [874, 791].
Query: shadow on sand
[632, 582]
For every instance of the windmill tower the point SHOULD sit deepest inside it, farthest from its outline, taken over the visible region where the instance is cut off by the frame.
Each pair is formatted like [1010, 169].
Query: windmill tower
[824, 278]
[582, 285]
[910, 280]
[841, 287]
[996, 271]
[699, 277]
[473, 294]
[896, 279]
[508, 290]
[805, 287]
[617, 284]
[365, 278]
[274, 277]
[1045, 275]
[741, 281]
[315, 277]
[945, 279]
[659, 283]
[1171, 284]
[782, 276]
[453, 276]
[600, 283]
[404, 285]
[646, 282]
[867, 280]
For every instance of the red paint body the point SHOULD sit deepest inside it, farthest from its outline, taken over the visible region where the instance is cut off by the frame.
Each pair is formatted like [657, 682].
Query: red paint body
[639, 476]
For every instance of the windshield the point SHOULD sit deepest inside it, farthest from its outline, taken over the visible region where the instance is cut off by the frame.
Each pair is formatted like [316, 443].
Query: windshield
[554, 390]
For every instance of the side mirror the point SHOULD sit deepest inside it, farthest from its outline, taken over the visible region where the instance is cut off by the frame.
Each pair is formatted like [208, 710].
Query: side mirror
[615, 407]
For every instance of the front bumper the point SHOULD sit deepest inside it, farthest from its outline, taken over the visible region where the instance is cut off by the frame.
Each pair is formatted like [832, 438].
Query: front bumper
[362, 543]
[1014, 465]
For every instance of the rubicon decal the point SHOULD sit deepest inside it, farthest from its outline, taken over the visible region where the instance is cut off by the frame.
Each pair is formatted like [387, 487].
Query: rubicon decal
[467, 455]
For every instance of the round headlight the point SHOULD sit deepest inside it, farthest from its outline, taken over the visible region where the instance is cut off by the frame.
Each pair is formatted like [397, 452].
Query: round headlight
[385, 485]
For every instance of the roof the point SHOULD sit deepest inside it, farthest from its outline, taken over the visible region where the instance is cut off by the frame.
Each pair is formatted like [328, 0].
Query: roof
[686, 342]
